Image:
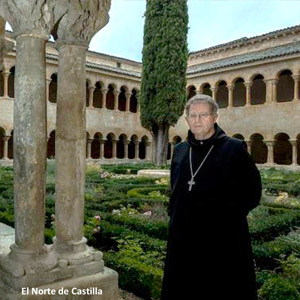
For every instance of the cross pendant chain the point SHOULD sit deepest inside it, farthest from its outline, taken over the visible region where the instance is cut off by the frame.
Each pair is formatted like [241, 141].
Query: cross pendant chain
[192, 181]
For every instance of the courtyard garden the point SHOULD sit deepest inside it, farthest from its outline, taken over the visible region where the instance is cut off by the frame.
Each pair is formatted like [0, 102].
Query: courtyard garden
[126, 217]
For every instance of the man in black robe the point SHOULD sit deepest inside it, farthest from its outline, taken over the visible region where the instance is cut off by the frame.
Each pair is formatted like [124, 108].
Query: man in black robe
[214, 184]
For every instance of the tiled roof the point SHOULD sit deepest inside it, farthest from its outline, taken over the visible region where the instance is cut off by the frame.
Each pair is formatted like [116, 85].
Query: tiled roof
[283, 50]
[102, 67]
[244, 40]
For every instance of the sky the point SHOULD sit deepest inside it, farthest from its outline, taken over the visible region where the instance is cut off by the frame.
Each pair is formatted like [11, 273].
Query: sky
[211, 22]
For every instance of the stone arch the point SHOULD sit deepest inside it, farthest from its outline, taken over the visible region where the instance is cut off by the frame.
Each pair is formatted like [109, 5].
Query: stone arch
[108, 145]
[205, 89]
[97, 95]
[258, 90]
[143, 147]
[1, 84]
[11, 83]
[259, 149]
[10, 149]
[239, 136]
[95, 146]
[239, 93]
[121, 144]
[51, 145]
[133, 101]
[2, 134]
[110, 97]
[222, 94]
[282, 149]
[122, 99]
[53, 88]
[191, 91]
[131, 146]
[285, 86]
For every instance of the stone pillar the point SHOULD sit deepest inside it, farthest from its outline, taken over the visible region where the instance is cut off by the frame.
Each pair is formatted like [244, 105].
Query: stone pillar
[114, 148]
[104, 92]
[248, 86]
[29, 255]
[269, 90]
[102, 142]
[5, 83]
[91, 95]
[148, 150]
[296, 87]
[128, 95]
[214, 92]
[137, 152]
[89, 148]
[48, 81]
[270, 145]
[230, 95]
[116, 100]
[294, 151]
[274, 88]
[5, 147]
[126, 143]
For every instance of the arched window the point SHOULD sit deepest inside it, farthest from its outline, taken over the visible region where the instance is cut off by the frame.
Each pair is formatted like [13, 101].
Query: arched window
[239, 93]
[259, 149]
[121, 146]
[131, 147]
[51, 145]
[53, 88]
[222, 95]
[11, 145]
[133, 101]
[11, 83]
[97, 96]
[110, 98]
[258, 90]
[206, 90]
[108, 146]
[95, 147]
[191, 91]
[282, 149]
[285, 87]
[238, 136]
[142, 147]
[122, 99]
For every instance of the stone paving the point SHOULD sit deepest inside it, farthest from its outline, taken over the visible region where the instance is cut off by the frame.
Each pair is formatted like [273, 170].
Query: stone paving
[7, 237]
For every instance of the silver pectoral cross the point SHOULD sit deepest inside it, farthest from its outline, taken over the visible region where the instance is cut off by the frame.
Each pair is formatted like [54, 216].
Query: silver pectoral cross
[191, 183]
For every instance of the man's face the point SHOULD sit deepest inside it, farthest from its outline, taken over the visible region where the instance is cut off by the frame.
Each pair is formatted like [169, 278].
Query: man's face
[201, 120]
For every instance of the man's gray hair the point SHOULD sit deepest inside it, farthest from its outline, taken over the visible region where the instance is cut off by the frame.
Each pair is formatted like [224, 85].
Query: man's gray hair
[201, 98]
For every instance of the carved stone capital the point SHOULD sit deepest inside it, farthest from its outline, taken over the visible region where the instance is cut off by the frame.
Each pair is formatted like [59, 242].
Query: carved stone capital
[83, 19]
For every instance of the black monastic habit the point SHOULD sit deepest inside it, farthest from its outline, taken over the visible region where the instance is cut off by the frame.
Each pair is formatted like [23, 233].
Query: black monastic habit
[209, 255]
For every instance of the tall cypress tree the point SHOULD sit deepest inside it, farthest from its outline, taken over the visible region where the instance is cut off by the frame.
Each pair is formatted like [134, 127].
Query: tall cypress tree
[165, 55]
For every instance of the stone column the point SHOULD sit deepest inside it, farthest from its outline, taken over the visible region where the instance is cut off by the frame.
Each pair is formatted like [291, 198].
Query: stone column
[148, 150]
[89, 148]
[102, 142]
[104, 92]
[274, 87]
[214, 92]
[116, 100]
[269, 90]
[114, 148]
[128, 95]
[294, 151]
[5, 147]
[137, 152]
[296, 87]
[76, 28]
[126, 143]
[5, 83]
[29, 255]
[270, 145]
[248, 86]
[230, 95]
[91, 95]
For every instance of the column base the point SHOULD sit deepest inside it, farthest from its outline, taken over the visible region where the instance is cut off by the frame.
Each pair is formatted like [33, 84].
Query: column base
[100, 286]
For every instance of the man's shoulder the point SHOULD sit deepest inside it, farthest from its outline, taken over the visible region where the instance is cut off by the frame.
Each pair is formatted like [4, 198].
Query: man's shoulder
[182, 145]
[234, 142]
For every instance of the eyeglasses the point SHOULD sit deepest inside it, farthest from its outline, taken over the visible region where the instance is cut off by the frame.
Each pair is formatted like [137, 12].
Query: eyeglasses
[200, 116]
